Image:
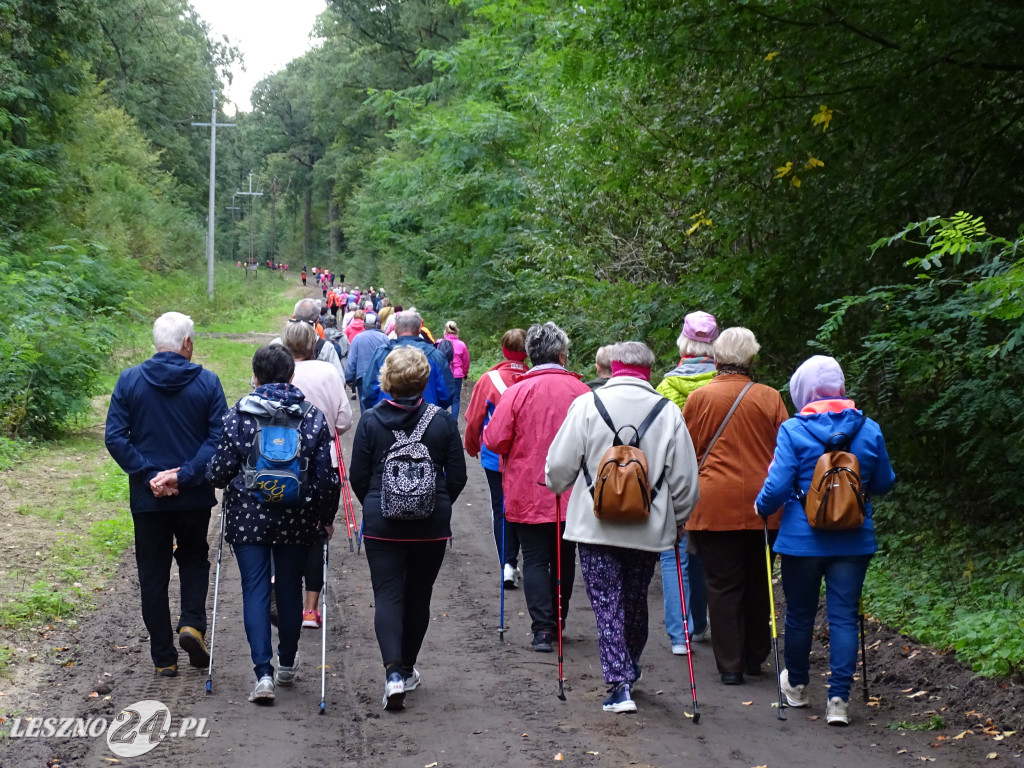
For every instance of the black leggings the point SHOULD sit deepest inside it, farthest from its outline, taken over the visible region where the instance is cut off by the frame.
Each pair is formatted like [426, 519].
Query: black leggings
[403, 575]
[314, 569]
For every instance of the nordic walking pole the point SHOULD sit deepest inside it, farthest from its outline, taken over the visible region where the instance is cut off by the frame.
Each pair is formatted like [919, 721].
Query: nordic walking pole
[775, 631]
[323, 630]
[558, 581]
[344, 484]
[863, 649]
[216, 589]
[686, 632]
[501, 580]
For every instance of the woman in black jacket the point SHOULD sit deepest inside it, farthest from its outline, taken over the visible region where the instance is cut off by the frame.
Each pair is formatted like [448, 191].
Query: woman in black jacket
[405, 554]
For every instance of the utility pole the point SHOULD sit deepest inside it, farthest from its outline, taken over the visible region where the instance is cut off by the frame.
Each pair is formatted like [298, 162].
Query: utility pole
[233, 208]
[213, 125]
[250, 193]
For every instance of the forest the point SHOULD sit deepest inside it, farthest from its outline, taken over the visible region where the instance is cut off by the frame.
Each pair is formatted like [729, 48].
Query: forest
[842, 179]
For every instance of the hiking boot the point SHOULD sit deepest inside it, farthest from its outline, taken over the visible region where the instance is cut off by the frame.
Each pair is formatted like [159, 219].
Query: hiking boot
[542, 642]
[679, 649]
[168, 671]
[618, 700]
[837, 712]
[311, 619]
[394, 692]
[412, 680]
[192, 642]
[263, 693]
[796, 695]
[511, 576]
[732, 678]
[285, 676]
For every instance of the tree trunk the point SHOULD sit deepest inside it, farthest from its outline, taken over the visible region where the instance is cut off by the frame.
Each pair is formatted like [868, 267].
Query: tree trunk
[332, 219]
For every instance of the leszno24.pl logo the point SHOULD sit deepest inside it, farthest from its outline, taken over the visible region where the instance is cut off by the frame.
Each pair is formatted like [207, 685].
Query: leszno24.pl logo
[134, 731]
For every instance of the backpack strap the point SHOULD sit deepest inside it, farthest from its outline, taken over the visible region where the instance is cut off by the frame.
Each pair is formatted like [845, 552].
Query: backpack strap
[417, 434]
[635, 442]
[497, 381]
[721, 427]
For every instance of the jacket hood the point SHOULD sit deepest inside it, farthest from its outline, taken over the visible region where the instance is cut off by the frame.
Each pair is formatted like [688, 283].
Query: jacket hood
[169, 371]
[693, 366]
[402, 413]
[824, 425]
[817, 378]
[687, 382]
[268, 399]
[556, 371]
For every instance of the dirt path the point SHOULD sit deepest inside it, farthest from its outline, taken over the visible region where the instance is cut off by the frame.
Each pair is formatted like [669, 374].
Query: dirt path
[484, 702]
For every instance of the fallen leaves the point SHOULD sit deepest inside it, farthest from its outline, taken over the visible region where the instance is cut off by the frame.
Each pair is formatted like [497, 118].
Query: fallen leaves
[746, 703]
[559, 757]
[431, 765]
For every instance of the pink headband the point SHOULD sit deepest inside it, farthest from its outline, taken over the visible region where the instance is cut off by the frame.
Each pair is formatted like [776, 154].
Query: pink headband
[511, 354]
[636, 371]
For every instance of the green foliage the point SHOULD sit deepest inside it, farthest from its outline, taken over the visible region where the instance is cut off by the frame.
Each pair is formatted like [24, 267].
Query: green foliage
[934, 723]
[57, 311]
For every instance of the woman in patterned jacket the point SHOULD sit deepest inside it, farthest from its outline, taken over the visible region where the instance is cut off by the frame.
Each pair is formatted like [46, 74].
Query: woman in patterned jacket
[259, 532]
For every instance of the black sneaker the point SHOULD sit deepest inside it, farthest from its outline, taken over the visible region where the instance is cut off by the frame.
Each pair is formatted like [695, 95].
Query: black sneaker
[542, 642]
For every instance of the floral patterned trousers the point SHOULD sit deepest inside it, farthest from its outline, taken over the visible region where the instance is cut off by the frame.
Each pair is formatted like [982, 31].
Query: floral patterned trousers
[617, 580]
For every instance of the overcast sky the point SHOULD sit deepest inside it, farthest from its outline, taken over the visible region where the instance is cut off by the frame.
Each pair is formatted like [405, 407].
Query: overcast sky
[270, 33]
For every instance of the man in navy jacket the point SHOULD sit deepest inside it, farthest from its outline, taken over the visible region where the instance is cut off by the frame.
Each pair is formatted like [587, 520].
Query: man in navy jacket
[165, 418]
[440, 385]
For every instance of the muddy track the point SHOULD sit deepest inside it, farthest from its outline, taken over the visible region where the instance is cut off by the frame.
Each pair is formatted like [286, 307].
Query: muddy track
[484, 702]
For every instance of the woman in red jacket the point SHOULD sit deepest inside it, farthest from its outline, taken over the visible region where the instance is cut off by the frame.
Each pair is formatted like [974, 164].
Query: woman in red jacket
[520, 432]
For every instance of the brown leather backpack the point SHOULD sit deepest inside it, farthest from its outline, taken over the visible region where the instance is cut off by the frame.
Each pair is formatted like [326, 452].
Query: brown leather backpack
[835, 500]
[622, 490]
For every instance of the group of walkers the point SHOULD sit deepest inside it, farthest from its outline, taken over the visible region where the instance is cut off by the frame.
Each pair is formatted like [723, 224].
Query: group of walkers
[721, 460]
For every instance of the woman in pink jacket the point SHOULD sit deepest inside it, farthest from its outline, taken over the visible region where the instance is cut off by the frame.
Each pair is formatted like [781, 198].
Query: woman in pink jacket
[524, 423]
[459, 364]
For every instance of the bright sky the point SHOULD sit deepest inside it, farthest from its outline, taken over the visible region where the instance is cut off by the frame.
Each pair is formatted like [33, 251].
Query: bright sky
[270, 33]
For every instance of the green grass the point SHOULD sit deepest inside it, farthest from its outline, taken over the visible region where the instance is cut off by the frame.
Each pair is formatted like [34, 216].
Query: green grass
[39, 604]
[6, 657]
[935, 723]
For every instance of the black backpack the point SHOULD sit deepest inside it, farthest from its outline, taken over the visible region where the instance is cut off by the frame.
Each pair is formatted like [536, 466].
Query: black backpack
[446, 348]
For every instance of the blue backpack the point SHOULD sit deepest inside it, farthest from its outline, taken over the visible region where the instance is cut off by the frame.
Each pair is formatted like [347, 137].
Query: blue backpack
[274, 471]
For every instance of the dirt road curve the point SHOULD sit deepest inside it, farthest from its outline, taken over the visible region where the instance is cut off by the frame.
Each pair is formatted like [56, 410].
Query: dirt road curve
[484, 702]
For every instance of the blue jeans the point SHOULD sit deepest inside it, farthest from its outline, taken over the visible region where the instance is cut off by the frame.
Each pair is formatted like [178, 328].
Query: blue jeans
[254, 562]
[694, 589]
[456, 398]
[801, 583]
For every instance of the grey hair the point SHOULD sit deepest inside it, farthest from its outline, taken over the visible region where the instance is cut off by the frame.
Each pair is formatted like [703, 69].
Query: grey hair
[408, 323]
[299, 338]
[307, 309]
[546, 343]
[736, 346]
[603, 360]
[171, 330]
[632, 353]
[690, 348]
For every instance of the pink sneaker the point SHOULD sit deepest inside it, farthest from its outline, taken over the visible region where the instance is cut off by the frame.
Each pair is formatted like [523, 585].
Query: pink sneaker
[311, 619]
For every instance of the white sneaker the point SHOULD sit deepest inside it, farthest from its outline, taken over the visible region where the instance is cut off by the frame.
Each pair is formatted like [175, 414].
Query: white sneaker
[702, 637]
[837, 712]
[285, 676]
[796, 695]
[412, 682]
[263, 693]
[394, 692]
[511, 576]
[679, 649]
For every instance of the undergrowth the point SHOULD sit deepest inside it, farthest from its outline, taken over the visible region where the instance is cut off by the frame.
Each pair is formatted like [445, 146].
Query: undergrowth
[953, 586]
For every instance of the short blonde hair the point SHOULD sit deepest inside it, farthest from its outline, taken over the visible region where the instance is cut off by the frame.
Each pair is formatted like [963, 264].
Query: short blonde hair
[736, 346]
[405, 372]
[299, 338]
[451, 327]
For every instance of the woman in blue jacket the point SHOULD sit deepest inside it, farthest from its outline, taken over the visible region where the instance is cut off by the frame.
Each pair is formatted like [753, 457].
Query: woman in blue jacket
[841, 557]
